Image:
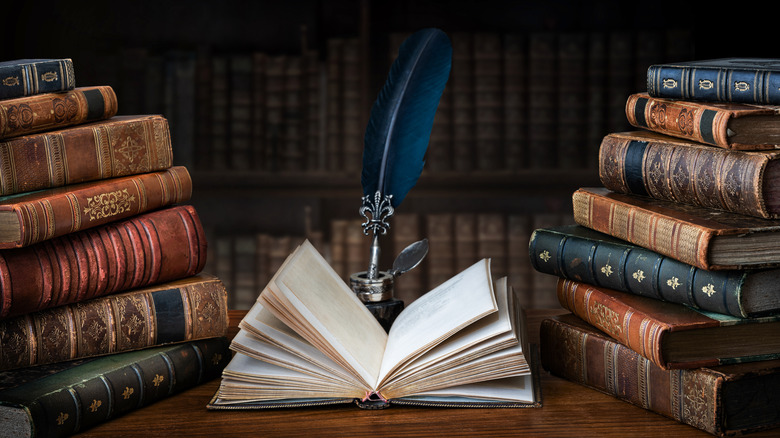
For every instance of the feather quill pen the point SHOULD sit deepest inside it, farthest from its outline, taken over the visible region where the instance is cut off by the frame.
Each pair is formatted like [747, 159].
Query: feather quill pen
[399, 128]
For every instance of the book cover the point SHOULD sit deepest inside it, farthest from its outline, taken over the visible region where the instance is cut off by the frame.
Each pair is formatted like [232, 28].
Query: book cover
[677, 170]
[27, 77]
[727, 125]
[119, 146]
[182, 310]
[460, 344]
[668, 334]
[578, 253]
[724, 401]
[743, 80]
[48, 111]
[30, 218]
[147, 249]
[68, 398]
[706, 238]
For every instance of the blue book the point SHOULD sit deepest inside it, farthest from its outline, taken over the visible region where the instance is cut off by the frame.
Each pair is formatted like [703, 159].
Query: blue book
[27, 77]
[743, 80]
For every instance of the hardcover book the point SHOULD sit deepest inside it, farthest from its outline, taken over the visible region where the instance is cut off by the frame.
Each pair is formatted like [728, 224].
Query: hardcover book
[724, 401]
[724, 124]
[662, 167]
[309, 340]
[67, 398]
[706, 238]
[26, 77]
[150, 248]
[119, 146]
[743, 80]
[177, 311]
[30, 218]
[578, 253]
[48, 111]
[668, 334]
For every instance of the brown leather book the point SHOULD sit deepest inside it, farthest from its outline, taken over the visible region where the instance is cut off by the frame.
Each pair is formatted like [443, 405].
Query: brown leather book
[662, 167]
[147, 249]
[45, 214]
[728, 125]
[670, 335]
[48, 111]
[706, 238]
[724, 401]
[183, 310]
[119, 146]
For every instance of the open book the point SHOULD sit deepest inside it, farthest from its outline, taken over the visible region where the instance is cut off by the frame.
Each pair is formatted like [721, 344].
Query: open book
[309, 340]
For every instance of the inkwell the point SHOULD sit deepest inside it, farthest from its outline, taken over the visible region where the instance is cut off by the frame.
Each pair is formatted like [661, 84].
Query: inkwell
[395, 144]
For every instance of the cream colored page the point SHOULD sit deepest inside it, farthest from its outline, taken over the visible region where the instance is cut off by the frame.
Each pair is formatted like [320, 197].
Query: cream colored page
[511, 389]
[438, 314]
[332, 309]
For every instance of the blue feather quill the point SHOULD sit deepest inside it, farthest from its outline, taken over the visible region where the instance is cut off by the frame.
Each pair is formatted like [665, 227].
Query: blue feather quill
[399, 127]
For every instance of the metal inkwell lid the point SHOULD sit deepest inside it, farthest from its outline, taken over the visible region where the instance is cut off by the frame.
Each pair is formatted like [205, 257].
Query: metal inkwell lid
[380, 287]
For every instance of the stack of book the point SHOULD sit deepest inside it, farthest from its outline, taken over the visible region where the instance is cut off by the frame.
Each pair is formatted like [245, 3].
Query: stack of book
[103, 305]
[671, 272]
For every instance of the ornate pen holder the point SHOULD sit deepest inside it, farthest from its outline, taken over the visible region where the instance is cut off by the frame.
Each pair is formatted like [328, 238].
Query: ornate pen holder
[377, 295]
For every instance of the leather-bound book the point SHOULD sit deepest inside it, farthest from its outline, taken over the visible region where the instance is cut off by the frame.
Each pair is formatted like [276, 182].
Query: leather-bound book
[27, 219]
[706, 238]
[119, 146]
[150, 248]
[670, 335]
[26, 77]
[662, 167]
[68, 398]
[724, 401]
[579, 253]
[177, 311]
[48, 111]
[724, 124]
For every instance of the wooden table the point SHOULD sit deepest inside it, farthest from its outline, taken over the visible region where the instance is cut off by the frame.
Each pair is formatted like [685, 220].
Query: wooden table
[569, 410]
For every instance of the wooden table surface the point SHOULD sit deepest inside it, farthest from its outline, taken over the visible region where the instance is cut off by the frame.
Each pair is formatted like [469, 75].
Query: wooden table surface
[569, 410]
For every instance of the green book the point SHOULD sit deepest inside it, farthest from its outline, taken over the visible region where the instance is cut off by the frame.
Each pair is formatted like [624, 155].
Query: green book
[66, 398]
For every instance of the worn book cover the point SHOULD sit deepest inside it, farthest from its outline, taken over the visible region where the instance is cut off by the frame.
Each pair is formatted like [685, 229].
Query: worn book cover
[26, 77]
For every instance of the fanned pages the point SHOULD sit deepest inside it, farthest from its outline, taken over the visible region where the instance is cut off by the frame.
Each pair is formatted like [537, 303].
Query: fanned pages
[309, 340]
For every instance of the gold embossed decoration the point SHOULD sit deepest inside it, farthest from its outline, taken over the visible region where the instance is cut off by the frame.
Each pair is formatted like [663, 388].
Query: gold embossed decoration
[109, 204]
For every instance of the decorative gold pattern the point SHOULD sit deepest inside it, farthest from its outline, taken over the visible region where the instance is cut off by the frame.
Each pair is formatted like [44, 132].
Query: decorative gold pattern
[216, 359]
[109, 204]
[673, 282]
[158, 379]
[709, 290]
[741, 86]
[127, 392]
[62, 418]
[11, 81]
[606, 270]
[49, 76]
[96, 404]
[605, 318]
[639, 275]
[545, 255]
[669, 83]
[706, 84]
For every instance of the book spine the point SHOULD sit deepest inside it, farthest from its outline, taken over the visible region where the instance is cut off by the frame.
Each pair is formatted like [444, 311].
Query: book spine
[102, 397]
[571, 99]
[704, 176]
[118, 147]
[714, 84]
[151, 248]
[43, 112]
[37, 77]
[461, 84]
[515, 111]
[680, 241]
[96, 204]
[637, 331]
[240, 108]
[679, 119]
[116, 323]
[488, 101]
[688, 396]
[542, 100]
[618, 267]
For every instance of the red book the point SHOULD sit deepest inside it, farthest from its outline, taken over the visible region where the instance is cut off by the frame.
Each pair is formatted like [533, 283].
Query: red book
[147, 249]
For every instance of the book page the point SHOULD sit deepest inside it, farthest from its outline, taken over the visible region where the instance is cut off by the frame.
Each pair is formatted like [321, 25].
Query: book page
[324, 310]
[511, 389]
[438, 314]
